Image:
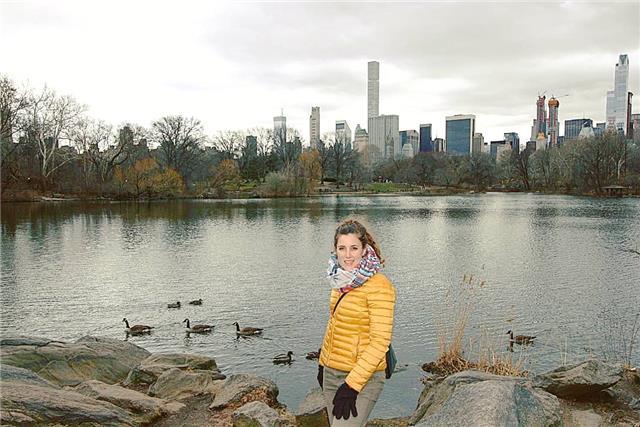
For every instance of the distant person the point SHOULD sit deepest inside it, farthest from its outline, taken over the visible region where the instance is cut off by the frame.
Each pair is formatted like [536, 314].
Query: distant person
[352, 363]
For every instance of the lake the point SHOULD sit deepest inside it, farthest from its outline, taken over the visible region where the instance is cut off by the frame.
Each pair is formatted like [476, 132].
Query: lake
[566, 269]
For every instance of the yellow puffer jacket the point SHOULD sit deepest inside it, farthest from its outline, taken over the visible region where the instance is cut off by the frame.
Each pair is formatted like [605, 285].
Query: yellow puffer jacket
[359, 332]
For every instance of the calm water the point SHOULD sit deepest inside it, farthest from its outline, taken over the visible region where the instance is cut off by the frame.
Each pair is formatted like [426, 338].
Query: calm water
[561, 268]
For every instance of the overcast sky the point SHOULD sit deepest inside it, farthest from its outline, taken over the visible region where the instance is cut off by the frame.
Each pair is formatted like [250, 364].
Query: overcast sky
[236, 65]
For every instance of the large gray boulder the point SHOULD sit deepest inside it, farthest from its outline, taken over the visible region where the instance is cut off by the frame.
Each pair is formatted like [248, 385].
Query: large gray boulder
[238, 387]
[145, 407]
[69, 364]
[36, 402]
[256, 414]
[312, 411]
[178, 384]
[476, 398]
[580, 380]
[149, 369]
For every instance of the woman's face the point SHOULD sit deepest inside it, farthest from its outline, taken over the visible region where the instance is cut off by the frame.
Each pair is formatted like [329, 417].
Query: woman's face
[350, 251]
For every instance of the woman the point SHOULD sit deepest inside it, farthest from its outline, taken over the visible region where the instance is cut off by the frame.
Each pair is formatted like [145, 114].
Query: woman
[352, 357]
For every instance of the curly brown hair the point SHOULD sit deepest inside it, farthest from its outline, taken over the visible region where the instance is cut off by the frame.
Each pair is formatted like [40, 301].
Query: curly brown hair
[352, 226]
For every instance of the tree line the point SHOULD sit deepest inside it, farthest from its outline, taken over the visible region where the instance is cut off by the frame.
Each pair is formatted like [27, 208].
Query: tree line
[50, 144]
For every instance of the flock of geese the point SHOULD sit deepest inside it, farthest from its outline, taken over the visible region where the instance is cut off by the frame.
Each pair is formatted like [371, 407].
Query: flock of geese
[204, 328]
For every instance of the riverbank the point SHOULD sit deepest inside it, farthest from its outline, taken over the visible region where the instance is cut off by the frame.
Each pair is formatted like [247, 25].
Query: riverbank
[101, 381]
[21, 196]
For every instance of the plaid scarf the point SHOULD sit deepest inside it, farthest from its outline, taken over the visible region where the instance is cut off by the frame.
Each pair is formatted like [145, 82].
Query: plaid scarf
[346, 281]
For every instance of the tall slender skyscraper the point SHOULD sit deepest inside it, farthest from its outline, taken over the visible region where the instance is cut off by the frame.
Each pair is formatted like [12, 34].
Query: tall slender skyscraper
[373, 89]
[280, 129]
[617, 98]
[426, 140]
[314, 127]
[554, 123]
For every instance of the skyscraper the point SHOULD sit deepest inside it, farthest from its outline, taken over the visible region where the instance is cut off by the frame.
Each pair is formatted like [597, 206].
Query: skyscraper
[343, 133]
[629, 129]
[478, 142]
[554, 124]
[314, 127]
[573, 127]
[513, 140]
[617, 116]
[412, 138]
[280, 129]
[460, 129]
[361, 139]
[373, 89]
[541, 116]
[426, 140]
[384, 137]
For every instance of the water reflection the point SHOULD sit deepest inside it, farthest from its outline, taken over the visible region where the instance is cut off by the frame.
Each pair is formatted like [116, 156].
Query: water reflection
[551, 265]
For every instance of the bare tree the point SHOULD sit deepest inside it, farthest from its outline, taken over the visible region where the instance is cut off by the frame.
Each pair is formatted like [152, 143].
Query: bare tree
[180, 139]
[229, 143]
[49, 120]
[13, 104]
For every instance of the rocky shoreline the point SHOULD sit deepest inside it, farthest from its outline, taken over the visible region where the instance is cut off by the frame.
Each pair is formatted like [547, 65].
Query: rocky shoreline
[106, 382]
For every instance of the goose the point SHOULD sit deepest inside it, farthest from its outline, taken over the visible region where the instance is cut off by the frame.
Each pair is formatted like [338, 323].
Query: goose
[520, 339]
[283, 358]
[313, 355]
[247, 330]
[136, 329]
[196, 302]
[197, 328]
[174, 305]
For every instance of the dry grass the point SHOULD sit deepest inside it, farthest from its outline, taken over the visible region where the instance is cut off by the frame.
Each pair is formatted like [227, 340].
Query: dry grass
[459, 301]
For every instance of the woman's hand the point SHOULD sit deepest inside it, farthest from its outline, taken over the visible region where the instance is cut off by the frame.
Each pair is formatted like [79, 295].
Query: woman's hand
[344, 402]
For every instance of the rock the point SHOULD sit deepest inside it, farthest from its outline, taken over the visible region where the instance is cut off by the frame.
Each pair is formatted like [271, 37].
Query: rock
[580, 380]
[312, 411]
[237, 387]
[25, 376]
[103, 359]
[178, 384]
[476, 398]
[150, 408]
[583, 419]
[256, 414]
[148, 371]
[41, 404]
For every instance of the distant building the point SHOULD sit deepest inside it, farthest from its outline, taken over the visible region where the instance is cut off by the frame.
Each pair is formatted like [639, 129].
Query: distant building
[280, 129]
[493, 150]
[439, 145]
[629, 130]
[540, 122]
[501, 150]
[617, 99]
[407, 151]
[541, 142]
[586, 132]
[343, 132]
[384, 136]
[600, 128]
[361, 139]
[635, 127]
[573, 127]
[460, 129]
[412, 138]
[513, 140]
[252, 146]
[373, 89]
[314, 127]
[426, 141]
[554, 125]
[531, 146]
[478, 143]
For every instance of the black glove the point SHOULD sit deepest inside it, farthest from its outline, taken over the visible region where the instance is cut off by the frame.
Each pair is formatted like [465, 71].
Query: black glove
[344, 402]
[320, 375]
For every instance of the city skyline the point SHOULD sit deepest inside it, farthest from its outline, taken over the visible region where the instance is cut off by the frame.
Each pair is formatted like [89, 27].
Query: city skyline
[217, 66]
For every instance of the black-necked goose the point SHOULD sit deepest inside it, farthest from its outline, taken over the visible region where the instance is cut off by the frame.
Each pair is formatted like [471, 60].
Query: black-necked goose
[283, 358]
[520, 339]
[247, 330]
[197, 328]
[136, 329]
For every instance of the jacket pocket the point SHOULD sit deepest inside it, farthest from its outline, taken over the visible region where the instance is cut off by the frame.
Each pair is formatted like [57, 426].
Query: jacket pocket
[355, 348]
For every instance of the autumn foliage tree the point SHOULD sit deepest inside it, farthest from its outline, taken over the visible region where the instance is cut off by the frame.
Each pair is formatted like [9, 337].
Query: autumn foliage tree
[311, 168]
[146, 178]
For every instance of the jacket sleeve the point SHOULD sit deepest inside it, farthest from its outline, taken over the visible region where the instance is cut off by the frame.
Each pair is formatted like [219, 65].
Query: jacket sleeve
[381, 305]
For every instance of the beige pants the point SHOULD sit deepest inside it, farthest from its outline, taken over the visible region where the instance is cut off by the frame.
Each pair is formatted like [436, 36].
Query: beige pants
[367, 397]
